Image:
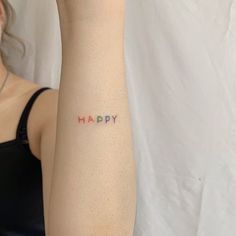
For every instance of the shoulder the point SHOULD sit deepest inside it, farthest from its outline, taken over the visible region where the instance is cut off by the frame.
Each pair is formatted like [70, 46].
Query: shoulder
[44, 110]
[42, 116]
[48, 106]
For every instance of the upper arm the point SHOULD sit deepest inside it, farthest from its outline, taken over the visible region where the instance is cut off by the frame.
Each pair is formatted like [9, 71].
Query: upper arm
[47, 144]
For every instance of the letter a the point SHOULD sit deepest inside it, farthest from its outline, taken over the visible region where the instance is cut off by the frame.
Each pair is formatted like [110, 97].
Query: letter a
[90, 119]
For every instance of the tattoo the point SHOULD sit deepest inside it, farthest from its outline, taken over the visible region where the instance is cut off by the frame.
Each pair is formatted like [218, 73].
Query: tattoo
[97, 119]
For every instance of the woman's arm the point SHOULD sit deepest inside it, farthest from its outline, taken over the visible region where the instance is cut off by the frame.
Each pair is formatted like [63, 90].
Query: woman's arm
[93, 185]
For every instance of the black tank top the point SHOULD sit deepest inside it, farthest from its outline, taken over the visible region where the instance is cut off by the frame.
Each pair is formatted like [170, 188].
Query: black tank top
[21, 195]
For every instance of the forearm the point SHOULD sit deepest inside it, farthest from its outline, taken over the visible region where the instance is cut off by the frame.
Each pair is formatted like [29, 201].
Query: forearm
[93, 189]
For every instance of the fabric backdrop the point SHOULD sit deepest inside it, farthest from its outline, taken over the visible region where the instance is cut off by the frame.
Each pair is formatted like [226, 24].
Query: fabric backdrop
[181, 75]
[37, 24]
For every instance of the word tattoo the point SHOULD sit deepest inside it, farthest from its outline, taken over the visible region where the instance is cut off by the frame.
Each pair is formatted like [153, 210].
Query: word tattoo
[97, 119]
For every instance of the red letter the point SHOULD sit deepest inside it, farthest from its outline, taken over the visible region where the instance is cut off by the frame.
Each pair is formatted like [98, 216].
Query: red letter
[90, 119]
[81, 119]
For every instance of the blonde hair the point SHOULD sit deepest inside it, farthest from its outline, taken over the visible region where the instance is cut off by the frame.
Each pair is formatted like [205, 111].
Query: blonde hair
[8, 39]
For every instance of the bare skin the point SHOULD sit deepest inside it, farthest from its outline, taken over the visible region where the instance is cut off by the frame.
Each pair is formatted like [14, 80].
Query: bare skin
[12, 102]
[87, 191]
[16, 93]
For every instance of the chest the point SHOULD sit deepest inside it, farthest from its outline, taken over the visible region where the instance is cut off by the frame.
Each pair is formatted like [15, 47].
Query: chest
[21, 198]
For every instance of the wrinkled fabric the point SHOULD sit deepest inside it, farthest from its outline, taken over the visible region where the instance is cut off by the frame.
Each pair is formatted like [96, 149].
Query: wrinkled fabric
[180, 63]
[180, 58]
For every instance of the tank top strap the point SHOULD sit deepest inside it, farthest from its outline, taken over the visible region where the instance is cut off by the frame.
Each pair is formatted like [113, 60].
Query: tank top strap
[21, 132]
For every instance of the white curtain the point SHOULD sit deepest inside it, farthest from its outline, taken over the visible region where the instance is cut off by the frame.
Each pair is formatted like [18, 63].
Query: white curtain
[37, 24]
[181, 75]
